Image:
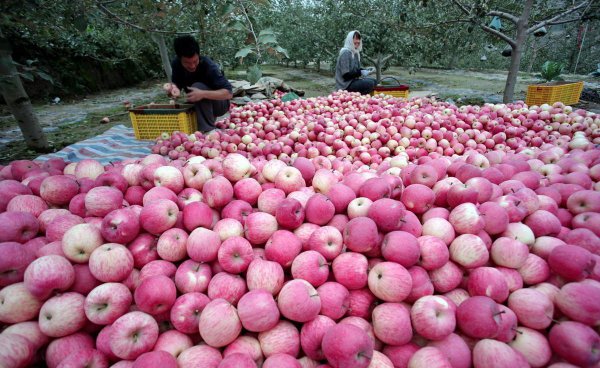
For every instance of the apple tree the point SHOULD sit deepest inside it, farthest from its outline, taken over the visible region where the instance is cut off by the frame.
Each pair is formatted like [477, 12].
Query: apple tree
[523, 18]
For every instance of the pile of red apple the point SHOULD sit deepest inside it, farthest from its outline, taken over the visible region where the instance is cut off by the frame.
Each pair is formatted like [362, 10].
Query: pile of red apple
[367, 130]
[424, 259]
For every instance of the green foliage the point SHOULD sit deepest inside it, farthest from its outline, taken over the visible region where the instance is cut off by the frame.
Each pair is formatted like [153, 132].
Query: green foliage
[551, 70]
[30, 71]
[260, 42]
[254, 73]
[77, 42]
[77, 50]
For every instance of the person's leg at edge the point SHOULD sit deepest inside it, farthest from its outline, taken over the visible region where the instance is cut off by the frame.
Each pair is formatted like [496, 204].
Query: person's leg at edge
[207, 111]
[364, 86]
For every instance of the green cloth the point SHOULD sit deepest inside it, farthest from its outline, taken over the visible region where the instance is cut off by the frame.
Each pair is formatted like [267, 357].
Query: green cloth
[289, 97]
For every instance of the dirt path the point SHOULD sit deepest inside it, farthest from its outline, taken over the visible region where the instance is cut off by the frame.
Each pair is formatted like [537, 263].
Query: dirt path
[54, 116]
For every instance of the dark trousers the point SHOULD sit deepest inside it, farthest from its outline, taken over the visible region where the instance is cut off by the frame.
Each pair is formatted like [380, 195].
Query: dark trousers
[207, 111]
[364, 85]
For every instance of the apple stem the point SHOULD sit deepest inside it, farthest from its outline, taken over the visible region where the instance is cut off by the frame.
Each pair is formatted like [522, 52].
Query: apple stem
[364, 355]
[518, 331]
[501, 312]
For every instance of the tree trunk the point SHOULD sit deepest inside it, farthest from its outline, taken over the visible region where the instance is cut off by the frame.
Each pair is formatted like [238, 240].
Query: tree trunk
[453, 63]
[575, 49]
[164, 54]
[202, 25]
[379, 63]
[318, 65]
[378, 68]
[533, 55]
[517, 51]
[18, 102]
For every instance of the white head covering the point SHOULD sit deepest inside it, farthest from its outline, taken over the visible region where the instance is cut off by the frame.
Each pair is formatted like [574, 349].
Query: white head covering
[349, 44]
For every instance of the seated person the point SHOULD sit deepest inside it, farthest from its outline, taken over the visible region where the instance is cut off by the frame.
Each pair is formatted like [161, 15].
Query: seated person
[202, 80]
[348, 74]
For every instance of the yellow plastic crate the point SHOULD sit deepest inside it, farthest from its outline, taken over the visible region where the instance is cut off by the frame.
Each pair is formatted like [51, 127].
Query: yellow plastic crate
[391, 92]
[395, 90]
[549, 93]
[149, 121]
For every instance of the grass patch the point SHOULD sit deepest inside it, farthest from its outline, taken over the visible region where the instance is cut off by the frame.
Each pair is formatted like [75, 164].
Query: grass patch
[63, 136]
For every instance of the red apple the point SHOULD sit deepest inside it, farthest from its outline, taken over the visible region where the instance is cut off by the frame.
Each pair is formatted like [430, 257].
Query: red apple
[392, 323]
[48, 274]
[479, 317]
[575, 342]
[185, 313]
[263, 274]
[16, 258]
[571, 262]
[133, 334]
[111, 262]
[491, 352]
[299, 301]
[390, 281]
[219, 323]
[533, 308]
[62, 315]
[345, 345]
[351, 270]
[18, 227]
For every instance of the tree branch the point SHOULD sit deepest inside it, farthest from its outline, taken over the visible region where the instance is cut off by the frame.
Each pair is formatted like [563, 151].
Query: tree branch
[508, 16]
[172, 18]
[436, 25]
[383, 60]
[386, 58]
[562, 22]
[498, 34]
[558, 16]
[118, 19]
[369, 59]
[462, 7]
[490, 30]
[251, 30]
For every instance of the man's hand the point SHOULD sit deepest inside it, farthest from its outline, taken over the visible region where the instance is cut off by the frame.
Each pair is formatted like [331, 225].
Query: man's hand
[194, 94]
